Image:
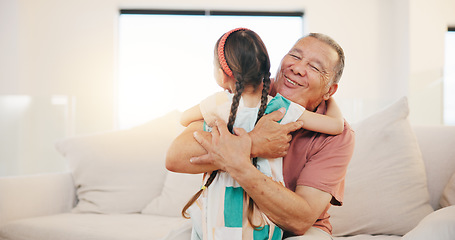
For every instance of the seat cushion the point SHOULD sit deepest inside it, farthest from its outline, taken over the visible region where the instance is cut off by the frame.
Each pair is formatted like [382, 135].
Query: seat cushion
[369, 237]
[77, 226]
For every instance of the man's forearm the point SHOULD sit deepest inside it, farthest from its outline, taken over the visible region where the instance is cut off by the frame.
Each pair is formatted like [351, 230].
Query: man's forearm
[270, 139]
[285, 208]
[185, 147]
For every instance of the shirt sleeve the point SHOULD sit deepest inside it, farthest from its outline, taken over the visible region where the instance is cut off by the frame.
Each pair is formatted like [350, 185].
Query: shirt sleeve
[327, 164]
[293, 110]
[293, 113]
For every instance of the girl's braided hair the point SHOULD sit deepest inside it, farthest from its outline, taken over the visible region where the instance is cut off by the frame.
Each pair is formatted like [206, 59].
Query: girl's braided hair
[242, 55]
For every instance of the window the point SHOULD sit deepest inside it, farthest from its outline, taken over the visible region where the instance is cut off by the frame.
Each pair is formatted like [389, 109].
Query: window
[449, 78]
[166, 57]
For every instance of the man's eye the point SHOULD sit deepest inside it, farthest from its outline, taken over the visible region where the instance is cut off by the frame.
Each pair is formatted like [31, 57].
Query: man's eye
[314, 68]
[294, 56]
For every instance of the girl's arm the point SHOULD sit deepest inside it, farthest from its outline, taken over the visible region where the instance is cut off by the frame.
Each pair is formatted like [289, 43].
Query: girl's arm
[331, 123]
[191, 115]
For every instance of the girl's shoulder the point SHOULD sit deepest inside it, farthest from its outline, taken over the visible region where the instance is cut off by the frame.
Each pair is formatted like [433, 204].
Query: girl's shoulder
[218, 98]
[215, 106]
[222, 97]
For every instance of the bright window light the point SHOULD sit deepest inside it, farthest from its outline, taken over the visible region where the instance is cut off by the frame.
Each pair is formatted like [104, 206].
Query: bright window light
[166, 61]
[449, 78]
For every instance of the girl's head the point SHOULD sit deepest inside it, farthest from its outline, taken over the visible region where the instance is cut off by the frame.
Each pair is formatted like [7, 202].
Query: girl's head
[242, 56]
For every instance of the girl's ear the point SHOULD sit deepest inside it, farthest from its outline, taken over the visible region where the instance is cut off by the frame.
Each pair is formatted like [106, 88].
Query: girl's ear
[333, 88]
[222, 75]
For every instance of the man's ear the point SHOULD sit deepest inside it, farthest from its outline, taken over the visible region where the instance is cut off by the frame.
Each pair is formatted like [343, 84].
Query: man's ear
[333, 88]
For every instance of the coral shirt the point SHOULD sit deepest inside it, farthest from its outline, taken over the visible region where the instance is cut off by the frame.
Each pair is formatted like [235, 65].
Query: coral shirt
[320, 161]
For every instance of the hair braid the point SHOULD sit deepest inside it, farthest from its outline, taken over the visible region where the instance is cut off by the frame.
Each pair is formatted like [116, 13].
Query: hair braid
[265, 94]
[198, 194]
[235, 104]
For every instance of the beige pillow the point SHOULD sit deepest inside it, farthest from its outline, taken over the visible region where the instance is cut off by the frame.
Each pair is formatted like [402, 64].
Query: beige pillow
[178, 189]
[120, 171]
[448, 196]
[386, 189]
[439, 225]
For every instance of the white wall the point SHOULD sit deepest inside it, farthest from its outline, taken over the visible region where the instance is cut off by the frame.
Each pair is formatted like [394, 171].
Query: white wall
[393, 48]
[428, 25]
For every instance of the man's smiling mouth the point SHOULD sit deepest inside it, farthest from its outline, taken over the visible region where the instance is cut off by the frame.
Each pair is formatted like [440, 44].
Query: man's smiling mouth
[293, 83]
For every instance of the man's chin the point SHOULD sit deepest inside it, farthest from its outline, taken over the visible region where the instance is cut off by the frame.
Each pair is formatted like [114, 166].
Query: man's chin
[287, 93]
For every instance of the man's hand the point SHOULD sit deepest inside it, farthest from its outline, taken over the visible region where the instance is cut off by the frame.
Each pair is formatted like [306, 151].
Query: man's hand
[225, 150]
[271, 139]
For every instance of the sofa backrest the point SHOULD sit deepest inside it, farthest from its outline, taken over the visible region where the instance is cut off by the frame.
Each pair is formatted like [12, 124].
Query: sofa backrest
[437, 144]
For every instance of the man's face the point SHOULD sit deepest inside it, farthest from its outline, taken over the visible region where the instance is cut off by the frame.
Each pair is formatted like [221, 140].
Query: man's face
[306, 73]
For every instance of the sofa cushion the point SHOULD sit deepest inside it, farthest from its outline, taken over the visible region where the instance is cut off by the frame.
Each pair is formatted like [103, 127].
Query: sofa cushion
[436, 143]
[178, 189]
[369, 237]
[120, 171]
[76, 226]
[386, 189]
[448, 196]
[35, 195]
[438, 225]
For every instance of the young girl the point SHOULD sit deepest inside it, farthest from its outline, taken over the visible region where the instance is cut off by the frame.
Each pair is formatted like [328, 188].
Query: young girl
[242, 67]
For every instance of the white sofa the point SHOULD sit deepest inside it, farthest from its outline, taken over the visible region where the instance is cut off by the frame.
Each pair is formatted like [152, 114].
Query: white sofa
[117, 186]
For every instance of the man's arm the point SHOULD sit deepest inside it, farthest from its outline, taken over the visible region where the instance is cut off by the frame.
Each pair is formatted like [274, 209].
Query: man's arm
[293, 211]
[270, 140]
[184, 147]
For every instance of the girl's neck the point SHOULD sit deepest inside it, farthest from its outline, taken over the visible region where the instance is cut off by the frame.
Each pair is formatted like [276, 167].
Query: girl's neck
[252, 96]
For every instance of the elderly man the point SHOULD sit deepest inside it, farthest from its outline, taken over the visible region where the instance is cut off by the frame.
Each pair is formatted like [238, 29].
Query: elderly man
[314, 164]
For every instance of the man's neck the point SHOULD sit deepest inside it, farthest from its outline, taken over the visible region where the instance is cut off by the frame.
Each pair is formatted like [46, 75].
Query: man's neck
[321, 108]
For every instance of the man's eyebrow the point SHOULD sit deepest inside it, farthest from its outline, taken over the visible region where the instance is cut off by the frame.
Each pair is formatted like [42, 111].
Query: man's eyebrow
[320, 63]
[321, 67]
[296, 50]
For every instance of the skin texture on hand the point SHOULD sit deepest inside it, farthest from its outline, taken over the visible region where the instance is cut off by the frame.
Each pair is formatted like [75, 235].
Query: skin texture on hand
[270, 138]
[227, 151]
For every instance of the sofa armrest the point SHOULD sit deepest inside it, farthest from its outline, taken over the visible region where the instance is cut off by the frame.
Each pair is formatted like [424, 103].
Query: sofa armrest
[437, 225]
[35, 195]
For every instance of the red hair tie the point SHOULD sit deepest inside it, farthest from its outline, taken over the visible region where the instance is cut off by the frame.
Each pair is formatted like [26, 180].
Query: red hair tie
[221, 56]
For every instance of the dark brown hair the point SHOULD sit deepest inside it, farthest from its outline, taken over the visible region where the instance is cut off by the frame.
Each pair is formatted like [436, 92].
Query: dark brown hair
[247, 57]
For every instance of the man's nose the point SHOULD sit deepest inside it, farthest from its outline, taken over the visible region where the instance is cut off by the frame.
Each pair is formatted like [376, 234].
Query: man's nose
[299, 69]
